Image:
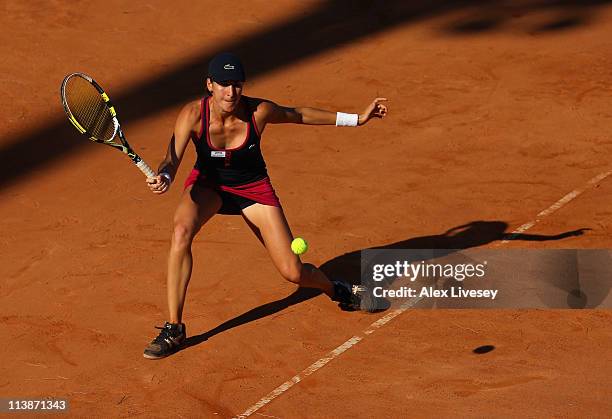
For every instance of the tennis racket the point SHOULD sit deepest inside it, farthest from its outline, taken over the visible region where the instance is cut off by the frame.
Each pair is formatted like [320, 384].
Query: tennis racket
[91, 112]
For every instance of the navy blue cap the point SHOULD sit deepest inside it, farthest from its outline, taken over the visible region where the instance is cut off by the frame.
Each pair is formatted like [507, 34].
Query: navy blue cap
[225, 67]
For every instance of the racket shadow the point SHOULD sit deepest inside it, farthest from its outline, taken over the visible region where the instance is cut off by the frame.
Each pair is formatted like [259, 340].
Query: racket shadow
[297, 297]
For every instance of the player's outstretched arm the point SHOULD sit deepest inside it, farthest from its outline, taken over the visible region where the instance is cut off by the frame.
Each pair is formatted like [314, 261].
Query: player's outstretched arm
[186, 120]
[376, 109]
[276, 114]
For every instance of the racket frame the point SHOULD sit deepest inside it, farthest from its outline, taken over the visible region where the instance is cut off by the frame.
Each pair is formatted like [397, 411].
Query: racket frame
[122, 145]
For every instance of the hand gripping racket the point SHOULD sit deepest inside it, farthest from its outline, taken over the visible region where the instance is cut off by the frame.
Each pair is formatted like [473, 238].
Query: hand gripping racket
[91, 112]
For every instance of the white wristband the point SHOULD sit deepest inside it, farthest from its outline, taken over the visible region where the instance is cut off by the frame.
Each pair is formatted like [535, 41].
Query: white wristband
[167, 176]
[347, 119]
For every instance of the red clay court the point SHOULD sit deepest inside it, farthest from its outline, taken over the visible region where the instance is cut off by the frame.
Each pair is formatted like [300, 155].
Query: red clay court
[496, 113]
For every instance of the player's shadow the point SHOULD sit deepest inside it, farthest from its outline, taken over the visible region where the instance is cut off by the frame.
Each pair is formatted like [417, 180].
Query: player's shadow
[474, 234]
[348, 266]
[300, 295]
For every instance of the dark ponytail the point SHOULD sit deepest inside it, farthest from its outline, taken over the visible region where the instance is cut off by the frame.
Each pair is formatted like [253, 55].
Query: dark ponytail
[206, 91]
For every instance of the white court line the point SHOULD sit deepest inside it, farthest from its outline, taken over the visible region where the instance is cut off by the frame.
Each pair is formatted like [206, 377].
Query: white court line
[557, 205]
[408, 304]
[326, 359]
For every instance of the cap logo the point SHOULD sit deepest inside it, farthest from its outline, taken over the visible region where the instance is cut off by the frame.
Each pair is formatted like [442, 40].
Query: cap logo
[228, 67]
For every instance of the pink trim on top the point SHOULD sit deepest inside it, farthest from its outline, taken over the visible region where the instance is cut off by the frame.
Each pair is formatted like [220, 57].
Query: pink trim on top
[210, 144]
[201, 118]
[255, 125]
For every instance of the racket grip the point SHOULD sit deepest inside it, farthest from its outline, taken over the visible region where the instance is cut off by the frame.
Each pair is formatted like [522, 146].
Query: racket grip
[144, 168]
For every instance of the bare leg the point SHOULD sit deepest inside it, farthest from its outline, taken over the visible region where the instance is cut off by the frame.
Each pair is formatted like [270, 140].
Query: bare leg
[270, 226]
[197, 205]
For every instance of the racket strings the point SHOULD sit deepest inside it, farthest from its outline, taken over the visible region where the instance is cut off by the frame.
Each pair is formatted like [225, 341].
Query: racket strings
[89, 109]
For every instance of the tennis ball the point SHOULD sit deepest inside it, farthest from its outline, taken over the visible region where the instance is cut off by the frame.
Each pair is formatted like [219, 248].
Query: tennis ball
[299, 246]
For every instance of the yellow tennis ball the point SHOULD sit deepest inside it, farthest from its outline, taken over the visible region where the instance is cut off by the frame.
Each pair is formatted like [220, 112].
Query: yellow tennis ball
[299, 246]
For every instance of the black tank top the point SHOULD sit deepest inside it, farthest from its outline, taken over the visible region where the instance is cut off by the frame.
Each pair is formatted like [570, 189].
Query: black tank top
[230, 166]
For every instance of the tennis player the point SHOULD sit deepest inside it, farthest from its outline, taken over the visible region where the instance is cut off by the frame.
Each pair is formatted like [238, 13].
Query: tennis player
[230, 177]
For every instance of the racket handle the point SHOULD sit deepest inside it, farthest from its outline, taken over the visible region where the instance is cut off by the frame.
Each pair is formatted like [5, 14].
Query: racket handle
[144, 168]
